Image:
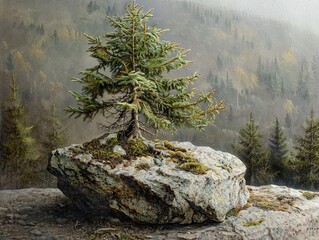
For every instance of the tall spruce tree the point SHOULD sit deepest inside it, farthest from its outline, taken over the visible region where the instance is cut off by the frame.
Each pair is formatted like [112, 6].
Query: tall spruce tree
[18, 161]
[250, 151]
[307, 158]
[278, 151]
[137, 97]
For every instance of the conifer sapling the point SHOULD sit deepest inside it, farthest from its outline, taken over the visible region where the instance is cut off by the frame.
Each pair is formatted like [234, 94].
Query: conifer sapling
[136, 96]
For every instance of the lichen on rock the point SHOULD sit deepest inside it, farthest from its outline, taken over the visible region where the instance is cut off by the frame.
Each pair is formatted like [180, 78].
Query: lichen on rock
[145, 186]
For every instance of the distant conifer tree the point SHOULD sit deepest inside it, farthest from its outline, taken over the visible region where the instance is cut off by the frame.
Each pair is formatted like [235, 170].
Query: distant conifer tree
[250, 151]
[307, 158]
[19, 156]
[278, 151]
[53, 132]
[137, 96]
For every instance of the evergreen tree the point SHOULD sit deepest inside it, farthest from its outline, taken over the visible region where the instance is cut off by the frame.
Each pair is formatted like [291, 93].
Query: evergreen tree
[230, 116]
[278, 152]
[250, 151]
[53, 132]
[55, 37]
[307, 157]
[52, 137]
[9, 63]
[282, 89]
[18, 161]
[288, 121]
[139, 96]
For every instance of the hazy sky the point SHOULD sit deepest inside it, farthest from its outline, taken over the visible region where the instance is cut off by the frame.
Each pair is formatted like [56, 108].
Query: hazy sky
[301, 13]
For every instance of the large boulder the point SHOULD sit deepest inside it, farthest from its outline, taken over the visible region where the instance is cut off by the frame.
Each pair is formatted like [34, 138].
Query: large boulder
[152, 189]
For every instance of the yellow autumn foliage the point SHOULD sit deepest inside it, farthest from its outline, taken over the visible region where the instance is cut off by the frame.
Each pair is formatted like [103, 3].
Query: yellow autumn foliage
[20, 63]
[63, 33]
[288, 106]
[36, 53]
[288, 57]
[244, 80]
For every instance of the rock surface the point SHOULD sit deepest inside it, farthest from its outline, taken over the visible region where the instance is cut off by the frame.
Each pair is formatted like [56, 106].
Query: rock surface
[153, 190]
[272, 213]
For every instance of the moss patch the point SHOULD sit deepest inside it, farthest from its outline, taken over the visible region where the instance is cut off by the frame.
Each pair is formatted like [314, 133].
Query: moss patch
[142, 166]
[271, 202]
[235, 211]
[185, 160]
[308, 195]
[253, 223]
[99, 151]
[194, 167]
[137, 148]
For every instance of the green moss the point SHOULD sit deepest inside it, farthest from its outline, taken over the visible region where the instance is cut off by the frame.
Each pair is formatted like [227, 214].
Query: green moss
[169, 159]
[160, 147]
[77, 150]
[138, 148]
[182, 156]
[308, 195]
[232, 213]
[194, 167]
[142, 166]
[94, 144]
[112, 142]
[253, 223]
[106, 154]
[100, 151]
[273, 203]
[168, 146]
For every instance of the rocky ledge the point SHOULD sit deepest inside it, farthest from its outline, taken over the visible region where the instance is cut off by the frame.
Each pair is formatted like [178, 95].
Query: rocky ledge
[272, 212]
[181, 184]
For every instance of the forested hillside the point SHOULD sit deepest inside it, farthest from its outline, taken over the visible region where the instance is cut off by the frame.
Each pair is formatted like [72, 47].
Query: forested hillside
[262, 67]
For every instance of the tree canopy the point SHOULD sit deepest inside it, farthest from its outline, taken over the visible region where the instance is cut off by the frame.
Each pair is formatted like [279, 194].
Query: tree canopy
[278, 150]
[129, 85]
[306, 163]
[250, 150]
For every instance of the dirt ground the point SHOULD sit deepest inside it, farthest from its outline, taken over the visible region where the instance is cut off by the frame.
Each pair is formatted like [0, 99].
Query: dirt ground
[47, 214]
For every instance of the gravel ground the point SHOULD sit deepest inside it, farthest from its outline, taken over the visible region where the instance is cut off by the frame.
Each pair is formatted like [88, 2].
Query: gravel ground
[48, 214]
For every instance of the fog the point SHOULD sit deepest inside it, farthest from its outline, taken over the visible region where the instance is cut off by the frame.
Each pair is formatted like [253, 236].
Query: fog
[299, 13]
[254, 53]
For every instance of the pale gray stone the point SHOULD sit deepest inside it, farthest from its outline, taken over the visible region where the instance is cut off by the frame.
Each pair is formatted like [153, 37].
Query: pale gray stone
[161, 194]
[119, 150]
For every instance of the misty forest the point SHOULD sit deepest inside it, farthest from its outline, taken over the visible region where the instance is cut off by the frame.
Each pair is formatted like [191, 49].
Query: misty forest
[265, 70]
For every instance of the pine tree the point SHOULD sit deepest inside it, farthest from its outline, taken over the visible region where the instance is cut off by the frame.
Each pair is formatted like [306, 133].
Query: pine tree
[136, 97]
[53, 132]
[307, 158]
[250, 151]
[288, 121]
[278, 151]
[230, 116]
[18, 161]
[52, 137]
